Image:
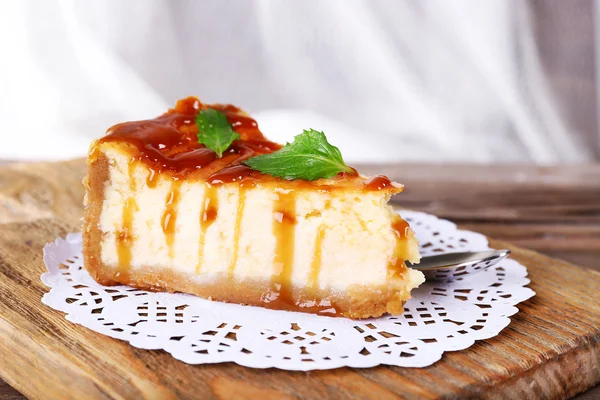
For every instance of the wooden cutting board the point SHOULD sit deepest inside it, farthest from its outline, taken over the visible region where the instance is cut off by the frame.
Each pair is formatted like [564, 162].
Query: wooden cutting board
[551, 349]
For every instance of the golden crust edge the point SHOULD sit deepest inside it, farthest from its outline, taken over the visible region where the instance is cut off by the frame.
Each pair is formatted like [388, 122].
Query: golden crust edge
[94, 183]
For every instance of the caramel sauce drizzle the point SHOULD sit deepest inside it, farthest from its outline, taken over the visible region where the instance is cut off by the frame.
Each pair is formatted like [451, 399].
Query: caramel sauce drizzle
[169, 217]
[125, 238]
[208, 215]
[401, 229]
[124, 235]
[315, 267]
[237, 231]
[151, 179]
[284, 227]
[280, 295]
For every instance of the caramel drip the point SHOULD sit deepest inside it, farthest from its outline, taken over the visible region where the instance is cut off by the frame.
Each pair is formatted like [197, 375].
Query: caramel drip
[125, 232]
[315, 267]
[169, 217]
[151, 179]
[401, 230]
[280, 296]
[237, 230]
[380, 182]
[284, 228]
[208, 215]
[125, 237]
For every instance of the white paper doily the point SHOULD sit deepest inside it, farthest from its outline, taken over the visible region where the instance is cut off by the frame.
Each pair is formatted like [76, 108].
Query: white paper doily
[439, 317]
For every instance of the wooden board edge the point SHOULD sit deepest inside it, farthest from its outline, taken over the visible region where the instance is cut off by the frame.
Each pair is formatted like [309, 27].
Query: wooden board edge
[562, 377]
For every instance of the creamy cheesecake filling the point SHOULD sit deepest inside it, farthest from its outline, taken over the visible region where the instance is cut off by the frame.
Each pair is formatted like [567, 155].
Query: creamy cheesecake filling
[291, 238]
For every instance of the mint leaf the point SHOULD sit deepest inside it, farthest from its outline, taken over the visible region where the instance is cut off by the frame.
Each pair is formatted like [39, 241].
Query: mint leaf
[309, 156]
[214, 131]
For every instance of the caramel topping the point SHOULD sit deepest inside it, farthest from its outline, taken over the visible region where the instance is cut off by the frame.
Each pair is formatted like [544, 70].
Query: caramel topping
[169, 217]
[169, 145]
[234, 173]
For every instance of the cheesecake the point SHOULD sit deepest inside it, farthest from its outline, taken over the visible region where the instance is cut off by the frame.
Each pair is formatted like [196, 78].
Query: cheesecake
[164, 212]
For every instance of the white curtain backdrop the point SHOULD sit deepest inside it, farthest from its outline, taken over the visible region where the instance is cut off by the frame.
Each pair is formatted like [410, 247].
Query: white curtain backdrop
[429, 80]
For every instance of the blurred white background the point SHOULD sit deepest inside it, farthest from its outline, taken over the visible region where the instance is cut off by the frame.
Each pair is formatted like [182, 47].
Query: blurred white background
[460, 81]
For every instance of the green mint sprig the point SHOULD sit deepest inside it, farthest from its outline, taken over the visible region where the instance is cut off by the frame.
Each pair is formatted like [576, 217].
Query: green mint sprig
[215, 131]
[310, 156]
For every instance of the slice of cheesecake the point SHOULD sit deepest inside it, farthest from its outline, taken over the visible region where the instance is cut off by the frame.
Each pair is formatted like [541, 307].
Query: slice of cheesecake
[164, 212]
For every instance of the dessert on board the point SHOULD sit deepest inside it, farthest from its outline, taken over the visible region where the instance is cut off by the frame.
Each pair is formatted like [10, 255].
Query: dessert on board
[199, 201]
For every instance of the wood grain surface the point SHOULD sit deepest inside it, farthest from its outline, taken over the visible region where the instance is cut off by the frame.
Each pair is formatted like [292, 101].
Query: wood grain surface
[550, 350]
